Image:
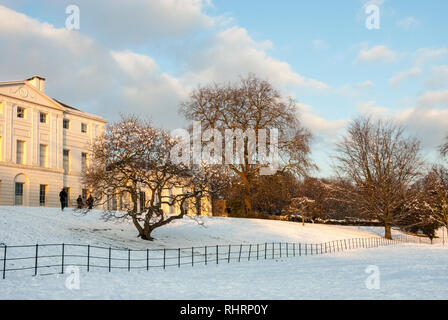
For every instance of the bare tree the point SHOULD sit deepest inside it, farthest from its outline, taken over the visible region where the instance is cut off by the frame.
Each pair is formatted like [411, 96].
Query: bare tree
[382, 163]
[444, 148]
[133, 156]
[303, 205]
[252, 104]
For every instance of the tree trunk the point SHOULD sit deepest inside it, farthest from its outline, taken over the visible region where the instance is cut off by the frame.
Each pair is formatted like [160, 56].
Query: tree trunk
[387, 226]
[147, 234]
[388, 231]
[248, 204]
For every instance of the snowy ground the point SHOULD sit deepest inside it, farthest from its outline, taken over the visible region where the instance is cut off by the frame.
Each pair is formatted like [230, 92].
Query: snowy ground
[24, 226]
[405, 271]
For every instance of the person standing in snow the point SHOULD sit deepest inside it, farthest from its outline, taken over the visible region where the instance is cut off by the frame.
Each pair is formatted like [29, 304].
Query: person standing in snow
[79, 202]
[63, 198]
[89, 202]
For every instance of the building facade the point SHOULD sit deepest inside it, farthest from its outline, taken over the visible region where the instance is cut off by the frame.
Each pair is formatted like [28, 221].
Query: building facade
[44, 145]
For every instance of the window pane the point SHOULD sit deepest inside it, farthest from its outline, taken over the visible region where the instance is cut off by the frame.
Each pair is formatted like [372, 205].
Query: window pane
[43, 195]
[66, 160]
[83, 161]
[18, 201]
[20, 112]
[43, 156]
[20, 156]
[66, 123]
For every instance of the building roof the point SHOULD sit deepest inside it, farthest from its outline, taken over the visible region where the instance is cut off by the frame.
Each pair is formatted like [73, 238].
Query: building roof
[66, 105]
[59, 103]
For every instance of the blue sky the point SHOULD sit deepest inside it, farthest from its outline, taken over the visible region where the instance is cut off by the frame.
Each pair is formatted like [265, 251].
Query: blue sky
[144, 56]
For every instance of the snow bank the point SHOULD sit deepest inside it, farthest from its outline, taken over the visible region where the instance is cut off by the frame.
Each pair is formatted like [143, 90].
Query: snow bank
[29, 225]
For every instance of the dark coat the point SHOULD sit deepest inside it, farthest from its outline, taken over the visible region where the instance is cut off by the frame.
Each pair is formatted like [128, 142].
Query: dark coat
[63, 195]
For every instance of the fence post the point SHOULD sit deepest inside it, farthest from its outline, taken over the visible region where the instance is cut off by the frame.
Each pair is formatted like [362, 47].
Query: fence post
[147, 259]
[129, 259]
[230, 250]
[258, 248]
[110, 258]
[280, 249]
[4, 262]
[164, 258]
[294, 249]
[178, 257]
[217, 254]
[35, 263]
[300, 249]
[62, 260]
[273, 253]
[239, 256]
[88, 258]
[192, 256]
[250, 250]
[265, 250]
[205, 255]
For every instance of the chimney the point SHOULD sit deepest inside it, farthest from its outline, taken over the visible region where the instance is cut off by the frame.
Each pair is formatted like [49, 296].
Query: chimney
[37, 82]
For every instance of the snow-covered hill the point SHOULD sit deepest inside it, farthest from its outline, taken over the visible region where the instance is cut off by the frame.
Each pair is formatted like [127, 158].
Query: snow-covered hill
[405, 271]
[29, 225]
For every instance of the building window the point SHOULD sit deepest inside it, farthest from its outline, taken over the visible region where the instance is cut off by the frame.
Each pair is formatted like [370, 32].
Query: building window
[66, 124]
[69, 197]
[43, 156]
[43, 117]
[20, 152]
[43, 195]
[66, 160]
[83, 161]
[18, 199]
[20, 112]
[83, 127]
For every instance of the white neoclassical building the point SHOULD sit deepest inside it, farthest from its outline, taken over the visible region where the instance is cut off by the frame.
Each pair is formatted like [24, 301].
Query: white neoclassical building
[43, 145]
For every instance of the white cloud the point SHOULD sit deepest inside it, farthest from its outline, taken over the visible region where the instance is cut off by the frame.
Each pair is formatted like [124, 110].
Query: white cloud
[234, 53]
[109, 81]
[429, 125]
[371, 108]
[433, 99]
[404, 75]
[378, 53]
[136, 65]
[325, 130]
[366, 84]
[407, 23]
[424, 55]
[355, 90]
[438, 77]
